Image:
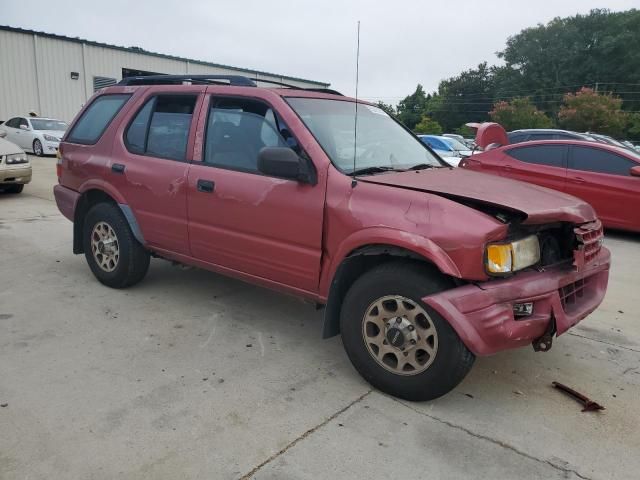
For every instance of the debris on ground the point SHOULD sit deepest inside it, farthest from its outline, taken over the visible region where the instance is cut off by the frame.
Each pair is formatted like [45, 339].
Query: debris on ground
[587, 404]
[4, 405]
[518, 392]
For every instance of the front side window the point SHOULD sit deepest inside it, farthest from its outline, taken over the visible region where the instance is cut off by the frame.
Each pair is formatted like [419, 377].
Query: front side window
[600, 161]
[161, 127]
[238, 128]
[550, 155]
[381, 141]
[23, 123]
[96, 118]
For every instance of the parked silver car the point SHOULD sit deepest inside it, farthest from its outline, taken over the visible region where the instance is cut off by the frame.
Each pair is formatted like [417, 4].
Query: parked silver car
[15, 168]
[35, 134]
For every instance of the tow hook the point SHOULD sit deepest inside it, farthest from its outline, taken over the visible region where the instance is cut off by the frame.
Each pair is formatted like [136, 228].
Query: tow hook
[544, 343]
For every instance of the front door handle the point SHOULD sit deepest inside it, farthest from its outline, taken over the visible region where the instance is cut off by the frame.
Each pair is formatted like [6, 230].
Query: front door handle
[117, 168]
[205, 186]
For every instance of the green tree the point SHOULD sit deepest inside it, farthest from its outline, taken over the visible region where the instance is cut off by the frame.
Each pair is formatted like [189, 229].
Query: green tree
[411, 108]
[387, 108]
[587, 110]
[547, 61]
[519, 113]
[633, 127]
[428, 126]
[465, 131]
[467, 97]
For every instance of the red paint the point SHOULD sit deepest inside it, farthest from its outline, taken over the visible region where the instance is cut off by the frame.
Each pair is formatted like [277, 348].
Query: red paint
[482, 314]
[293, 237]
[614, 197]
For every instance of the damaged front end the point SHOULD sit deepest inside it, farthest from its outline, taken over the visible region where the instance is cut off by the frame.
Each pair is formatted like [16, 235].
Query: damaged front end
[537, 303]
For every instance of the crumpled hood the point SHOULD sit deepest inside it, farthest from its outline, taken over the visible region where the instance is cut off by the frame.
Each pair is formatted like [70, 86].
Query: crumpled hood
[538, 204]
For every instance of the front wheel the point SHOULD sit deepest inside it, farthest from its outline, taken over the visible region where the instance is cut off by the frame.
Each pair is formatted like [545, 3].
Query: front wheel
[396, 342]
[115, 257]
[37, 148]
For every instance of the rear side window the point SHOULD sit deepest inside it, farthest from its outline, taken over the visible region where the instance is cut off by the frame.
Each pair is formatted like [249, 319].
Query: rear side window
[161, 127]
[96, 118]
[550, 155]
[599, 161]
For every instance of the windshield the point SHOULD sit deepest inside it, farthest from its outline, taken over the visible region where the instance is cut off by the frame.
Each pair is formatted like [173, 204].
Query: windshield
[381, 141]
[41, 124]
[457, 145]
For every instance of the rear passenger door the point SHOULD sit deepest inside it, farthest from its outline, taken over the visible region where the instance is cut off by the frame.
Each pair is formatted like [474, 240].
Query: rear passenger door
[245, 221]
[542, 164]
[149, 165]
[602, 178]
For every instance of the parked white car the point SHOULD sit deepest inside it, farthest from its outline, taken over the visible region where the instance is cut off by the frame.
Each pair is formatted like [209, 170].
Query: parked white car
[15, 169]
[35, 134]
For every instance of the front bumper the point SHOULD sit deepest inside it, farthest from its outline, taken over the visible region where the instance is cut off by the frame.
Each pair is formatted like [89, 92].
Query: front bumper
[482, 314]
[50, 148]
[18, 174]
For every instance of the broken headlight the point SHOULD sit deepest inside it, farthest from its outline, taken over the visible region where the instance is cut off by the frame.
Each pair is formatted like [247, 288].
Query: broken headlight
[502, 258]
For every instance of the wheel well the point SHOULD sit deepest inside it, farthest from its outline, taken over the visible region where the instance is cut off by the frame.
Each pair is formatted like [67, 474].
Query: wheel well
[85, 202]
[357, 263]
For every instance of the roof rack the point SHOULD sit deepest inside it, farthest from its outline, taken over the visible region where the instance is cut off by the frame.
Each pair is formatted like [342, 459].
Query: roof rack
[234, 80]
[309, 89]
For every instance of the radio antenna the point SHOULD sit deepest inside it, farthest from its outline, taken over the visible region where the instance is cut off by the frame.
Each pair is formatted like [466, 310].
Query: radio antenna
[355, 122]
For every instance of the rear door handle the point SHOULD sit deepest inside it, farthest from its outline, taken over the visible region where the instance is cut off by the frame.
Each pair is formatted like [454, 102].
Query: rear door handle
[577, 179]
[206, 186]
[117, 168]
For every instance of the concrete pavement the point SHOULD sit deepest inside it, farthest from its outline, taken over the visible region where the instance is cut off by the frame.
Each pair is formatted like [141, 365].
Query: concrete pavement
[193, 375]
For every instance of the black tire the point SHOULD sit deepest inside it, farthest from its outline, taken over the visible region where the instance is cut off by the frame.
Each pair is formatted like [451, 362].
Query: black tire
[133, 261]
[37, 148]
[16, 188]
[412, 280]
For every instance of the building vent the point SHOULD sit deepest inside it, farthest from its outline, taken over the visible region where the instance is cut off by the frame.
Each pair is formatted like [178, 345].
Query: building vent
[101, 82]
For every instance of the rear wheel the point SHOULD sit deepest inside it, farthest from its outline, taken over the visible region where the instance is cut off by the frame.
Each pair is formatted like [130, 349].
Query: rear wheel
[37, 148]
[395, 341]
[115, 257]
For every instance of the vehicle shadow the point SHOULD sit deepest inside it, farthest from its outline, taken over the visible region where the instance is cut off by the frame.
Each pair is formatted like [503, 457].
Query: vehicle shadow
[622, 235]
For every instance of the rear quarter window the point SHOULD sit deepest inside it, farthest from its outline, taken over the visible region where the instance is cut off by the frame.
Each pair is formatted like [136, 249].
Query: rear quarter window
[96, 118]
[599, 161]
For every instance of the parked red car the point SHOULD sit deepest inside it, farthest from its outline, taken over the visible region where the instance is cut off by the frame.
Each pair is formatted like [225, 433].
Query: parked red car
[420, 267]
[606, 176]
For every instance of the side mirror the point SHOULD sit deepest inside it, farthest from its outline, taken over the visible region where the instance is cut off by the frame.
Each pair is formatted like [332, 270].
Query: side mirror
[635, 171]
[24, 127]
[3, 134]
[282, 162]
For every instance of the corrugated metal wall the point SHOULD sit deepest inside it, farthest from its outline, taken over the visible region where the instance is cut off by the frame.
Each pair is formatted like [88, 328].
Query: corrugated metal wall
[35, 73]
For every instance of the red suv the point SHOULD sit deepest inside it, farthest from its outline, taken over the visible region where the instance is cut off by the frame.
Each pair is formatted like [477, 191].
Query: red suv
[420, 267]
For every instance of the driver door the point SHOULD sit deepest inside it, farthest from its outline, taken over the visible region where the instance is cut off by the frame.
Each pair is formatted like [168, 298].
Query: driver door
[243, 220]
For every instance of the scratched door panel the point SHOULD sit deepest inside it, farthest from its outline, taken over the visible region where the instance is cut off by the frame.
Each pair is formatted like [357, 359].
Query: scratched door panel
[255, 224]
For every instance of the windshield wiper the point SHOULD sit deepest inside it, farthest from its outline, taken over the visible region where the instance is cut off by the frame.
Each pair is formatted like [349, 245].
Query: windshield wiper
[423, 166]
[377, 169]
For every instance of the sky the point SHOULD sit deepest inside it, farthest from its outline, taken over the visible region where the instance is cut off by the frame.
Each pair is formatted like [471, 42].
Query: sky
[402, 42]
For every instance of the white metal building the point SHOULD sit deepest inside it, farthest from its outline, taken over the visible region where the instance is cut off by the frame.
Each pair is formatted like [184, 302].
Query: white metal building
[55, 75]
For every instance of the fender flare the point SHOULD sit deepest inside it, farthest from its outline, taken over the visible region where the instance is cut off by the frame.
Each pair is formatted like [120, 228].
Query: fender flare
[109, 191]
[375, 241]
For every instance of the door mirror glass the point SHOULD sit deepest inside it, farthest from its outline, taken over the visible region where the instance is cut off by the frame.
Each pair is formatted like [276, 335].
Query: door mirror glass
[635, 171]
[283, 162]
